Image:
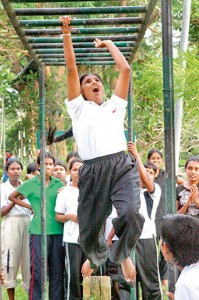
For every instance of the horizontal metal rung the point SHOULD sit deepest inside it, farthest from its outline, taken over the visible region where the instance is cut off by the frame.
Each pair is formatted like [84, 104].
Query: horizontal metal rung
[99, 21]
[88, 63]
[79, 50]
[61, 55]
[83, 39]
[80, 45]
[78, 59]
[80, 10]
[103, 30]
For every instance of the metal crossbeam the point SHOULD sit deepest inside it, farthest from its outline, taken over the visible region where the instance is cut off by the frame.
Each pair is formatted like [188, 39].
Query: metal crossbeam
[97, 30]
[87, 63]
[82, 39]
[80, 10]
[99, 21]
[79, 50]
[80, 45]
[61, 55]
[42, 36]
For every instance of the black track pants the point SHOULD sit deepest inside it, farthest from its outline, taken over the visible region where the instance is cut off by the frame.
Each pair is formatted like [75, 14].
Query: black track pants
[107, 180]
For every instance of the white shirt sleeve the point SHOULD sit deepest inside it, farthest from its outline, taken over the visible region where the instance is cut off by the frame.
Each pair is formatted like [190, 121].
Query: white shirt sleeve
[74, 106]
[156, 193]
[60, 206]
[4, 200]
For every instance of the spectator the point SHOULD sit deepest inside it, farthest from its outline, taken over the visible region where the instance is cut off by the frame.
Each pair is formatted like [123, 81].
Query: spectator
[54, 231]
[179, 244]
[32, 170]
[15, 238]
[146, 248]
[71, 155]
[188, 193]
[155, 157]
[59, 171]
[66, 212]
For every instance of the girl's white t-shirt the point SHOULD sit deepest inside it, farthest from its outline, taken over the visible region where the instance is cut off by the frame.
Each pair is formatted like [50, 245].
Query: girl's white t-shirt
[67, 203]
[98, 129]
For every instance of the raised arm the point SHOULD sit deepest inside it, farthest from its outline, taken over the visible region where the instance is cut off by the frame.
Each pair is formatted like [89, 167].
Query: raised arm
[17, 197]
[73, 84]
[142, 170]
[122, 86]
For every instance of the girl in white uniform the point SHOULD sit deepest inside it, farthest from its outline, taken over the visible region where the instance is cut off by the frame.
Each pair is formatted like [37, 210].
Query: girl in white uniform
[15, 236]
[108, 175]
[66, 212]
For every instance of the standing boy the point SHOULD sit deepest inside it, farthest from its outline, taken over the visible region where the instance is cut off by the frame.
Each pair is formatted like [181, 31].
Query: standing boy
[54, 230]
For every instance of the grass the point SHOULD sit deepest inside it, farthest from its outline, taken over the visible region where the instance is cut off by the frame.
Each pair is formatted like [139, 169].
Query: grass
[20, 293]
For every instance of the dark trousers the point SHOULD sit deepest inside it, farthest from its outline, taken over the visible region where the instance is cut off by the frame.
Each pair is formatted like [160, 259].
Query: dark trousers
[162, 261]
[74, 260]
[107, 180]
[147, 268]
[55, 263]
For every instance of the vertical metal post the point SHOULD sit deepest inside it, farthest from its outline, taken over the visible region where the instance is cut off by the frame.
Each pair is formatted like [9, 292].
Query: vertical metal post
[179, 101]
[168, 105]
[169, 119]
[43, 179]
[130, 136]
[129, 107]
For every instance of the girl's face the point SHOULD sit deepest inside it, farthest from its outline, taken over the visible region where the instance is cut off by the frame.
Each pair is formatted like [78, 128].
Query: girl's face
[74, 172]
[156, 159]
[14, 171]
[92, 89]
[59, 172]
[192, 171]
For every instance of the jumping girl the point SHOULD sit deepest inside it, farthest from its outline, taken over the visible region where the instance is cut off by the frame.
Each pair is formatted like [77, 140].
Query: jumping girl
[108, 176]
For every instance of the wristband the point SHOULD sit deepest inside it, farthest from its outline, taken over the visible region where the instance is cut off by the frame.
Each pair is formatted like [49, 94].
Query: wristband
[65, 34]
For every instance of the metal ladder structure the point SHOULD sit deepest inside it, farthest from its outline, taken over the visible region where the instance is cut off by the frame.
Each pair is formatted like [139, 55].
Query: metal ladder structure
[39, 30]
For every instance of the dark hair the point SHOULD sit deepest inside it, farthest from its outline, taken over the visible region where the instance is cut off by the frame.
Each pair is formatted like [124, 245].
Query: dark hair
[11, 161]
[150, 165]
[74, 161]
[59, 162]
[72, 154]
[32, 167]
[87, 74]
[47, 155]
[181, 235]
[192, 158]
[153, 150]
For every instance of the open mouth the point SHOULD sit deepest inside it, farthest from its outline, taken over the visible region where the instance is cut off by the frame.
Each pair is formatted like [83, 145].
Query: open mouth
[95, 89]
